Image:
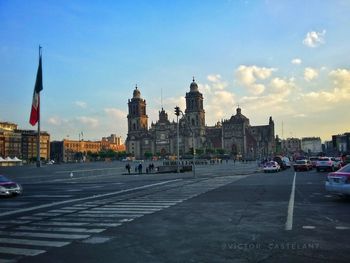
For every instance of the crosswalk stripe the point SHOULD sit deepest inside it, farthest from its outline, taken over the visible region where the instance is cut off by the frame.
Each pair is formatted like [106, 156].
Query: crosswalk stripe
[116, 209]
[61, 229]
[14, 222]
[136, 206]
[45, 235]
[117, 212]
[21, 251]
[107, 215]
[33, 242]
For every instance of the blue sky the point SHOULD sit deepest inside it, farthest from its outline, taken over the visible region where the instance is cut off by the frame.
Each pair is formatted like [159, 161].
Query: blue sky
[285, 59]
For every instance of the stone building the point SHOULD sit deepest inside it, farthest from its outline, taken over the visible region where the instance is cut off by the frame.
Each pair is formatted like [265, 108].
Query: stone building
[235, 136]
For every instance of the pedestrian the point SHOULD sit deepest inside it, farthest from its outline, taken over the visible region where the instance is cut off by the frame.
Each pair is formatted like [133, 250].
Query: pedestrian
[127, 167]
[140, 168]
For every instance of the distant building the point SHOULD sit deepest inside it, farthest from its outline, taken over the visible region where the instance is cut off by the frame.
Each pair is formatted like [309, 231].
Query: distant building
[311, 145]
[341, 142]
[22, 144]
[77, 150]
[291, 145]
[235, 136]
[112, 142]
[29, 145]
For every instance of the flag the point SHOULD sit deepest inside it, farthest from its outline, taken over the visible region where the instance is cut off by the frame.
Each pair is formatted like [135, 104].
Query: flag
[35, 112]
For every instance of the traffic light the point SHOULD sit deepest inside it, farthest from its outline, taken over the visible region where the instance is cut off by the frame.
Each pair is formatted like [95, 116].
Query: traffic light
[177, 111]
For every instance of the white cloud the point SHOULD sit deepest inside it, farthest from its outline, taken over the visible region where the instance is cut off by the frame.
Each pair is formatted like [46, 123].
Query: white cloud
[249, 75]
[116, 113]
[296, 61]
[92, 122]
[314, 39]
[54, 121]
[81, 104]
[214, 77]
[310, 74]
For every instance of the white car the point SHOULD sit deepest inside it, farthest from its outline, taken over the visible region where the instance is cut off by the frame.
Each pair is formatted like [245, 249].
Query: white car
[325, 163]
[271, 166]
[339, 182]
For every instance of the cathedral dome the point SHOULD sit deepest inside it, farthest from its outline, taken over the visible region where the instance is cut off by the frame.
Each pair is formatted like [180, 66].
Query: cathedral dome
[193, 86]
[137, 93]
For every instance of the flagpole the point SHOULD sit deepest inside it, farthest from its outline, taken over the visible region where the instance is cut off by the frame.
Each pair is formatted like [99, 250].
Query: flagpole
[38, 163]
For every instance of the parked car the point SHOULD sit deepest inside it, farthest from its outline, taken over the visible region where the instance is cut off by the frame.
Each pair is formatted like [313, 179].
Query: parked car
[271, 166]
[302, 165]
[325, 163]
[339, 182]
[8, 187]
[313, 161]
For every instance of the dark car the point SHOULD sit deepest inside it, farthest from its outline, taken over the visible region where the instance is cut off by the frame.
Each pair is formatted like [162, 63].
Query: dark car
[280, 161]
[8, 187]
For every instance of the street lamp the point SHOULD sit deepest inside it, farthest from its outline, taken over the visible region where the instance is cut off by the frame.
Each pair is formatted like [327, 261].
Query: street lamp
[177, 113]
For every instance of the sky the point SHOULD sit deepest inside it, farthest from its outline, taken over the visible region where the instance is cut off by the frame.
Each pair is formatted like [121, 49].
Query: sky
[285, 59]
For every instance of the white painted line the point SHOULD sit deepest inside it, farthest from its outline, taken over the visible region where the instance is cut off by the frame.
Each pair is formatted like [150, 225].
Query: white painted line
[309, 227]
[47, 214]
[61, 229]
[116, 212]
[45, 235]
[44, 243]
[14, 222]
[107, 215]
[85, 198]
[289, 222]
[116, 209]
[53, 196]
[31, 218]
[7, 260]
[21, 251]
[135, 206]
[106, 224]
[52, 223]
[342, 227]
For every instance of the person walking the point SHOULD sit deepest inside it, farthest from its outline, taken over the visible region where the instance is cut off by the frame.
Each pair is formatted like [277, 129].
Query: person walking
[127, 167]
[140, 168]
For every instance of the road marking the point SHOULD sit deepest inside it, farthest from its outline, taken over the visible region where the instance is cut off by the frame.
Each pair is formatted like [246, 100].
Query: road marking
[44, 243]
[289, 222]
[85, 198]
[45, 235]
[61, 229]
[53, 196]
[309, 227]
[122, 208]
[60, 224]
[342, 227]
[21, 251]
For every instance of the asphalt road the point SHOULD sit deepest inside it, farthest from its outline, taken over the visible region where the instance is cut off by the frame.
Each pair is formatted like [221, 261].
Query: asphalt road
[226, 213]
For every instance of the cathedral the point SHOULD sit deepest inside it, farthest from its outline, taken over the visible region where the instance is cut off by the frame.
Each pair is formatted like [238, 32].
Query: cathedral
[235, 135]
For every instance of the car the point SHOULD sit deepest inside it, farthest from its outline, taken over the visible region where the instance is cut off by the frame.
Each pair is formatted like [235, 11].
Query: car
[271, 166]
[339, 182]
[313, 160]
[280, 162]
[337, 162]
[302, 165]
[8, 187]
[286, 161]
[325, 163]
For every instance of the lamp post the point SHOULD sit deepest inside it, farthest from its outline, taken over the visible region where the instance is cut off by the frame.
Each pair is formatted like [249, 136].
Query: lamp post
[177, 113]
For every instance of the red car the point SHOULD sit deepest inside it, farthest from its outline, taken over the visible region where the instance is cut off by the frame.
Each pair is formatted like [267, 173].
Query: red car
[302, 165]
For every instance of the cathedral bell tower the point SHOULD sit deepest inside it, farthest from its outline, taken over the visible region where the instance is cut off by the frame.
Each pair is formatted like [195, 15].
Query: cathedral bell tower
[195, 113]
[137, 118]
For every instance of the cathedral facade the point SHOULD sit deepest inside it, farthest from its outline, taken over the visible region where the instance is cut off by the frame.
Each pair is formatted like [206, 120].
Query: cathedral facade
[235, 135]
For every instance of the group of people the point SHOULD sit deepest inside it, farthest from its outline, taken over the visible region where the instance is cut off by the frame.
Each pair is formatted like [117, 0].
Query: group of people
[138, 168]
